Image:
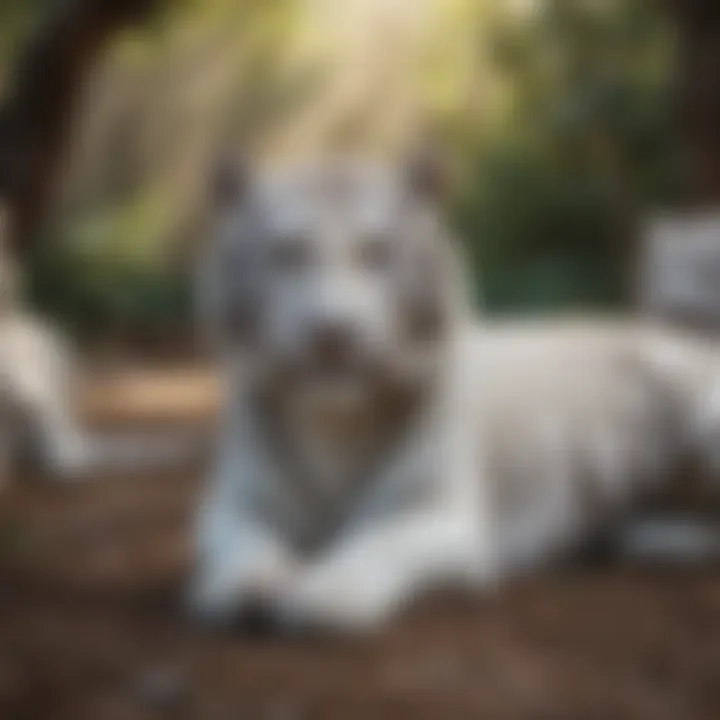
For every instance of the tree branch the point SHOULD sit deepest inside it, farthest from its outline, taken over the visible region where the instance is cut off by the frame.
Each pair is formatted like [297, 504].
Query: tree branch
[37, 115]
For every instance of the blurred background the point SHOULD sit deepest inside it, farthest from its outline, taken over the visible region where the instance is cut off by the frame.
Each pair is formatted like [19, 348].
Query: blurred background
[566, 120]
[568, 123]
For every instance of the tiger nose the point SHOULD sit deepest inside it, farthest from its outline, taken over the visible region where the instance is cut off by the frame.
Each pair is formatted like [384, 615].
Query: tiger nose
[332, 343]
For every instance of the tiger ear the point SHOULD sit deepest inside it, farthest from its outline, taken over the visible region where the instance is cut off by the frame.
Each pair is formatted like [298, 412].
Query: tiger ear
[229, 182]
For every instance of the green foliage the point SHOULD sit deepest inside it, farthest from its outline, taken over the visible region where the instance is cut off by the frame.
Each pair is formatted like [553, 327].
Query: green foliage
[586, 143]
[538, 237]
[104, 295]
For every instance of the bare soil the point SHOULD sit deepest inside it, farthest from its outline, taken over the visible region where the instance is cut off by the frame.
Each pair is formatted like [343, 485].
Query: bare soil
[92, 627]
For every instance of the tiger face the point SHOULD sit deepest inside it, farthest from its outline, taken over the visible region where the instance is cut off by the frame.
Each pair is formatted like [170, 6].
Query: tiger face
[335, 274]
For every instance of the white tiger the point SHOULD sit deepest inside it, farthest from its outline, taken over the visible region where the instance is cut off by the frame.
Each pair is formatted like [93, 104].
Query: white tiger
[377, 439]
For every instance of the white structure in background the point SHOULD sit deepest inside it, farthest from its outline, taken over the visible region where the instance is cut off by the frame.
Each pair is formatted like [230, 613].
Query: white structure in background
[680, 270]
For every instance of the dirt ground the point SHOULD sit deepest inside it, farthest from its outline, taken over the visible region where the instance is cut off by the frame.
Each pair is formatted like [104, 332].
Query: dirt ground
[91, 626]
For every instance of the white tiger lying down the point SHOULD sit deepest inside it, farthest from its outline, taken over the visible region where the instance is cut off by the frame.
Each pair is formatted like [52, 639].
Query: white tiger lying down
[376, 440]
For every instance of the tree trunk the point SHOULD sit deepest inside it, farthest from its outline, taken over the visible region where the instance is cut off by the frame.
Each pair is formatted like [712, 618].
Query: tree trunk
[698, 24]
[38, 113]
